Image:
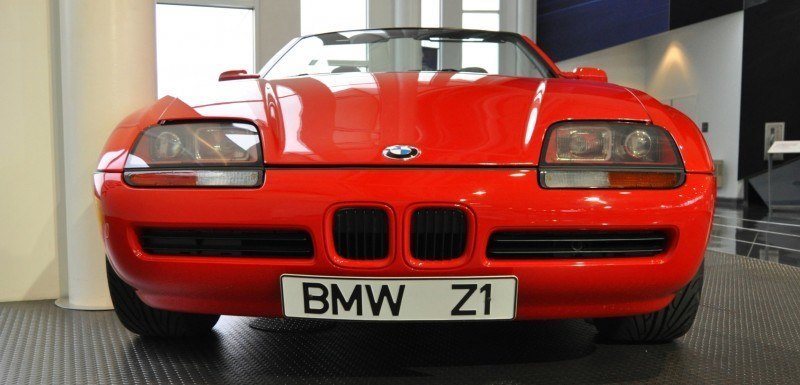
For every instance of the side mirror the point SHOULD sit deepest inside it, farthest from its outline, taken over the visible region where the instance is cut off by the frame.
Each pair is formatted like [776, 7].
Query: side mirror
[587, 73]
[237, 75]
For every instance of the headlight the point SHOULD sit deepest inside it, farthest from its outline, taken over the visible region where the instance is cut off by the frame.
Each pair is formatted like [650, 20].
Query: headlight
[609, 155]
[226, 154]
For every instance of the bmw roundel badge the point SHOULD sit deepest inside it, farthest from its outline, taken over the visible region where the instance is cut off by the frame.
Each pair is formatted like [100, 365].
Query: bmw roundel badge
[401, 152]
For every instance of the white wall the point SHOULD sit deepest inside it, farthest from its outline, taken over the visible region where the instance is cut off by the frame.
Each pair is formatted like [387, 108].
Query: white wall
[28, 207]
[700, 67]
[625, 64]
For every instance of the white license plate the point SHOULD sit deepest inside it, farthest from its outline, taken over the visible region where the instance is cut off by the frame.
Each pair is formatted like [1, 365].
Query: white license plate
[399, 299]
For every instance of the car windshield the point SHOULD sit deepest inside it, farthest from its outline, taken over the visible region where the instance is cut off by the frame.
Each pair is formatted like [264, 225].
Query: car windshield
[409, 50]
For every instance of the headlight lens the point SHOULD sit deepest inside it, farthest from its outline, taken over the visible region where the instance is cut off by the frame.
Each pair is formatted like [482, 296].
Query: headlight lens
[196, 154]
[638, 144]
[197, 144]
[609, 155]
[166, 146]
[586, 144]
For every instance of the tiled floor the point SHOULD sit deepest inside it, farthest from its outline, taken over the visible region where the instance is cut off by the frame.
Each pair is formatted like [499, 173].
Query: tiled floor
[746, 333]
[754, 233]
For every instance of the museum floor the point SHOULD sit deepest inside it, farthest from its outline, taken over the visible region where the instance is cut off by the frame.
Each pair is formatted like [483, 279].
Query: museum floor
[752, 232]
[747, 331]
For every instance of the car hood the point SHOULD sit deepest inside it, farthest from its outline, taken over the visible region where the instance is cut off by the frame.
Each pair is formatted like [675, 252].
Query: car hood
[453, 119]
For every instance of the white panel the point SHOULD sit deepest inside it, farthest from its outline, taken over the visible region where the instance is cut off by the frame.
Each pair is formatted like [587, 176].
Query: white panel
[430, 13]
[481, 5]
[319, 16]
[244, 4]
[480, 20]
[196, 44]
[483, 55]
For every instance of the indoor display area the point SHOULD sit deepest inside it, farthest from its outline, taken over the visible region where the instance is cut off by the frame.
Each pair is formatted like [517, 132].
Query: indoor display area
[400, 192]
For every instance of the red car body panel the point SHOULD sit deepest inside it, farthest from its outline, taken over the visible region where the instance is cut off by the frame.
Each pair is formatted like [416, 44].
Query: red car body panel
[481, 138]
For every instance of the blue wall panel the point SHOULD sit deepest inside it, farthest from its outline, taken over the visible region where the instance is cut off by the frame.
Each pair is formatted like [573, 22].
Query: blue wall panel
[570, 28]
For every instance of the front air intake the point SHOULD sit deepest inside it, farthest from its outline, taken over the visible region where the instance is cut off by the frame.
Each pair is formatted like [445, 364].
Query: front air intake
[438, 234]
[575, 244]
[361, 233]
[227, 243]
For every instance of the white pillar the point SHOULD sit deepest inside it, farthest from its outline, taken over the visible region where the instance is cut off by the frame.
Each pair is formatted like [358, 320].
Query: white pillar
[451, 13]
[526, 18]
[278, 22]
[407, 13]
[108, 70]
[517, 16]
[380, 14]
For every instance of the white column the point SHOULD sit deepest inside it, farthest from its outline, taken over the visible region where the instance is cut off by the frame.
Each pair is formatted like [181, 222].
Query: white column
[407, 13]
[451, 14]
[108, 70]
[526, 18]
[509, 21]
[518, 16]
[278, 22]
[380, 14]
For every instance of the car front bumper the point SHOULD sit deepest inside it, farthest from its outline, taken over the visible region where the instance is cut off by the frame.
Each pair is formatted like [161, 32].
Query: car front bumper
[497, 198]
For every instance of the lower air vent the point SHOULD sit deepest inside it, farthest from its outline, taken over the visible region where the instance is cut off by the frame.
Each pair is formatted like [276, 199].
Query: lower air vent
[438, 234]
[361, 233]
[582, 244]
[227, 243]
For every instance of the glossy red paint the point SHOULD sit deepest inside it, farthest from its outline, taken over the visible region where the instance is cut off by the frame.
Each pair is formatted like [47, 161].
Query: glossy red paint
[481, 138]
[587, 73]
[237, 75]
[459, 119]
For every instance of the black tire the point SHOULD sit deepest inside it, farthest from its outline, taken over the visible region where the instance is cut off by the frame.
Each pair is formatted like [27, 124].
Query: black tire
[147, 321]
[662, 326]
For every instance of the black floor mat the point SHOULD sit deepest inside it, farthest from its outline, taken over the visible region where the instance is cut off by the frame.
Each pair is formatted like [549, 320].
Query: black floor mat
[748, 331]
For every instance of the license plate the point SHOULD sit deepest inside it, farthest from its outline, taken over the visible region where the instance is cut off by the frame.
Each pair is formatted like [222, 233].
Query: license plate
[399, 299]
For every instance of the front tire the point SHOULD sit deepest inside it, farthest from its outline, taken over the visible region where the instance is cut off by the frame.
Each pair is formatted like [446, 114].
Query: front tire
[661, 326]
[147, 321]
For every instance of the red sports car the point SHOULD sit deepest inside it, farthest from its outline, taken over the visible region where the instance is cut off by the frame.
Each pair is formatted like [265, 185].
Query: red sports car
[408, 175]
